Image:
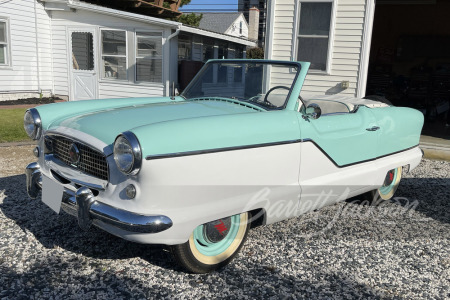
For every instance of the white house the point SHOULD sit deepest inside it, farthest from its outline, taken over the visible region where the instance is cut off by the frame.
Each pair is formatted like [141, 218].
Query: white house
[77, 50]
[398, 49]
[230, 23]
[334, 35]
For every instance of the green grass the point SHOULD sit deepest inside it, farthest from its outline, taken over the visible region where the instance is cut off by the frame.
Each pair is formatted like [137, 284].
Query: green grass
[11, 125]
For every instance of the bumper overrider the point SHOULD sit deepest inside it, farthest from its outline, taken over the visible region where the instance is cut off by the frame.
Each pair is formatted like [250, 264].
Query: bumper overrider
[83, 205]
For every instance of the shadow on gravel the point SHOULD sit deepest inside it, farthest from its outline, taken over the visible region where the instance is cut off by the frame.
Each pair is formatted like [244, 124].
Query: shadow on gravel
[42, 279]
[62, 230]
[427, 196]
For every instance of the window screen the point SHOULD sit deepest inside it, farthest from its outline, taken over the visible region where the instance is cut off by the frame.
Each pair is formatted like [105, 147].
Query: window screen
[149, 56]
[82, 51]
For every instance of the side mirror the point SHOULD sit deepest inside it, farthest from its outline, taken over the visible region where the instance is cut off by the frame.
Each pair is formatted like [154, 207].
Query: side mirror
[313, 111]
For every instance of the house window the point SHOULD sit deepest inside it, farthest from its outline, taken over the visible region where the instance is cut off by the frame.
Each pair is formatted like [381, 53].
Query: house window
[149, 56]
[314, 33]
[114, 54]
[4, 57]
[240, 27]
[184, 47]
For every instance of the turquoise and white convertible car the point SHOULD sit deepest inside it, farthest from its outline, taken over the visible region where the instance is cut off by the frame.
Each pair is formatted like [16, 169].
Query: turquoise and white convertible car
[238, 147]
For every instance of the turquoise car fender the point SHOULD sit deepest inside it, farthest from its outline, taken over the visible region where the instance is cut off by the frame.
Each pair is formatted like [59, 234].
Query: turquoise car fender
[212, 133]
[400, 129]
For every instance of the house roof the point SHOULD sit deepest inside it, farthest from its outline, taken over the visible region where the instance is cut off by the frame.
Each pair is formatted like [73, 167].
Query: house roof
[152, 20]
[218, 22]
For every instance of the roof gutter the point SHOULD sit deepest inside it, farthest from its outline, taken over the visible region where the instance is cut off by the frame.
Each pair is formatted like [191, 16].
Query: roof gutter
[122, 14]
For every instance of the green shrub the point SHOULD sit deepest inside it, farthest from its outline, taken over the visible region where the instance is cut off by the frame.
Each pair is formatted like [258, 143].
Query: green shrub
[255, 53]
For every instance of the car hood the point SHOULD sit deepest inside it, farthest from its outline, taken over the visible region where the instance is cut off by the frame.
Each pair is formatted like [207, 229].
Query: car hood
[106, 124]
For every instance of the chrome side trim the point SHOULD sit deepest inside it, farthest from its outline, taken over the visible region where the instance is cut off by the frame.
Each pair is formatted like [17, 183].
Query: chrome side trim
[188, 153]
[358, 162]
[97, 213]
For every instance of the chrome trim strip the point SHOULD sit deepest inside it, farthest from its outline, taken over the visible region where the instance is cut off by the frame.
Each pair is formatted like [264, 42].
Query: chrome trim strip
[188, 153]
[197, 152]
[358, 162]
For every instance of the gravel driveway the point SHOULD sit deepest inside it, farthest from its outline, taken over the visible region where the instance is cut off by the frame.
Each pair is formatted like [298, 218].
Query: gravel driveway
[396, 250]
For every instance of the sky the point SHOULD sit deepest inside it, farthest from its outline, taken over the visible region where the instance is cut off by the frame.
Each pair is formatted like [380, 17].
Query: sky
[210, 5]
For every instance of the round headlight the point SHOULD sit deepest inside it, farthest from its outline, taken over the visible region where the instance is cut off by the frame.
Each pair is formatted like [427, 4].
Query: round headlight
[127, 153]
[32, 124]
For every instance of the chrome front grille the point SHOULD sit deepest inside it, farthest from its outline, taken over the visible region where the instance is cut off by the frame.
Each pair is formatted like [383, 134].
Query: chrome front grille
[92, 161]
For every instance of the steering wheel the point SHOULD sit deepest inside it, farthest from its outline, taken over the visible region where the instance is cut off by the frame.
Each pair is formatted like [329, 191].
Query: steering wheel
[271, 90]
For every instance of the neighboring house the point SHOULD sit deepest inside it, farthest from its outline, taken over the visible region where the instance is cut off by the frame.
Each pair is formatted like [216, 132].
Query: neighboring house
[76, 50]
[231, 23]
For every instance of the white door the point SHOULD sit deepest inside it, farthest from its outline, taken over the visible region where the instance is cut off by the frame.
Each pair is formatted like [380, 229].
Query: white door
[84, 83]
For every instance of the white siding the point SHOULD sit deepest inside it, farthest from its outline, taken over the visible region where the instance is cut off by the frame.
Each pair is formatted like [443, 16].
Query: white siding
[119, 90]
[63, 21]
[345, 55]
[22, 74]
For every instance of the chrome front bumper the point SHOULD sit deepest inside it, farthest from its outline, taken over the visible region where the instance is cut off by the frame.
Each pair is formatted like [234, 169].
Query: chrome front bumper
[83, 205]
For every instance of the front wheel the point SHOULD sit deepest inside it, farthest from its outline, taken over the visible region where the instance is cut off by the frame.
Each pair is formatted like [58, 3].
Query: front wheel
[213, 245]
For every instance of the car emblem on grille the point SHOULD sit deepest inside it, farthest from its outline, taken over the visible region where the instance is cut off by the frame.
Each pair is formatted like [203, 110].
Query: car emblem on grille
[74, 154]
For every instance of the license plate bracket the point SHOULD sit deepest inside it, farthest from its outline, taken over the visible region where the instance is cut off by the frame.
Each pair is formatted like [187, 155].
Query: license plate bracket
[52, 193]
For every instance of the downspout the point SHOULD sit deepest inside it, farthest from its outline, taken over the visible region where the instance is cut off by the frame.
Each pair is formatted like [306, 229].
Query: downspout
[177, 32]
[37, 49]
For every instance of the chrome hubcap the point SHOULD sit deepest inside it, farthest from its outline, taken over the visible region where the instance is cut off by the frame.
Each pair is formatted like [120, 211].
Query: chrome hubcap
[217, 230]
[389, 178]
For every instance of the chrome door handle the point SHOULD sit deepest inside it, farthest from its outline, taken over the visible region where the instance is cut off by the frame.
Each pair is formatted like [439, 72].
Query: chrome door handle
[374, 128]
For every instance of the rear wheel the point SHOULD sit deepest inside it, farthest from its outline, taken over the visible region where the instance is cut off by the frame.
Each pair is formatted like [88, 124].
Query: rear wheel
[213, 245]
[390, 185]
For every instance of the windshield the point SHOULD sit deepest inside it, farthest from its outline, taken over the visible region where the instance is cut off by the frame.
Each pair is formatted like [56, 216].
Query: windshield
[265, 84]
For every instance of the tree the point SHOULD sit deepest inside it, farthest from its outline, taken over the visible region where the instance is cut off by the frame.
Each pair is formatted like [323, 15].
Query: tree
[190, 19]
[184, 2]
